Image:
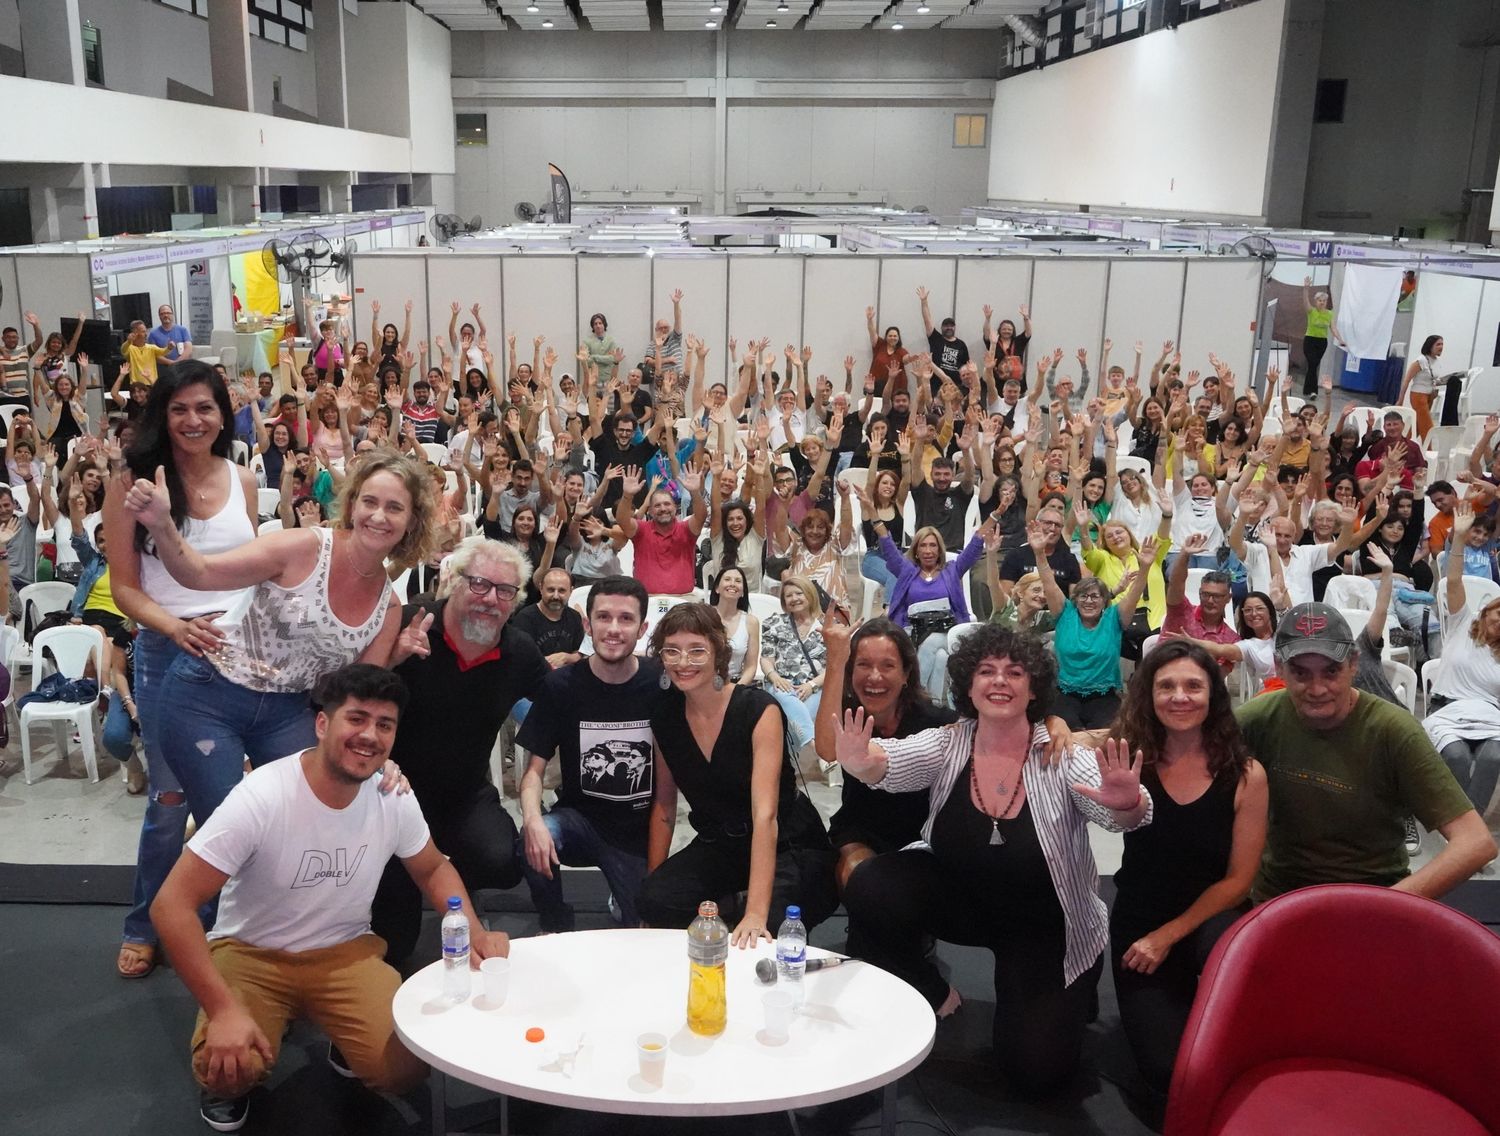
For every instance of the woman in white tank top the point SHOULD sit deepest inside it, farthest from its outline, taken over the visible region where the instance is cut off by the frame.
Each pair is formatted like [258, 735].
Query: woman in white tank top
[310, 601]
[185, 429]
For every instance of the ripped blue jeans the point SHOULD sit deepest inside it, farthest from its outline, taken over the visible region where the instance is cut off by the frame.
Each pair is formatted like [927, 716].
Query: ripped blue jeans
[166, 816]
[215, 724]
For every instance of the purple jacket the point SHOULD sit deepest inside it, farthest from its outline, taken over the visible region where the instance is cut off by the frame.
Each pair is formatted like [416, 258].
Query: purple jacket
[952, 577]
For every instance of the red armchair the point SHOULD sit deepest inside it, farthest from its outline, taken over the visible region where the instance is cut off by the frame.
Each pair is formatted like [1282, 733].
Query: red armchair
[1343, 1009]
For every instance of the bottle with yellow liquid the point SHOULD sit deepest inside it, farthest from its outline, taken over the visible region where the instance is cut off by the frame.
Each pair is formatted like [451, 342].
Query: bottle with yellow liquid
[708, 947]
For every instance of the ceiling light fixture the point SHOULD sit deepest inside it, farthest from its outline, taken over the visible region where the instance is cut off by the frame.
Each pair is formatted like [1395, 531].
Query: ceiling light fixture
[716, 8]
[783, 7]
[532, 8]
[710, 25]
[546, 23]
[923, 9]
[770, 23]
[897, 27]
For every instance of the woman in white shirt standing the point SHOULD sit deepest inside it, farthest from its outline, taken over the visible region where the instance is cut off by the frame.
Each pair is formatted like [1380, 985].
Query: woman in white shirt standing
[1465, 726]
[1421, 383]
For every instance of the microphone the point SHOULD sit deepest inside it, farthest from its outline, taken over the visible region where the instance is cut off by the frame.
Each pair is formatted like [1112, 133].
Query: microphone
[765, 969]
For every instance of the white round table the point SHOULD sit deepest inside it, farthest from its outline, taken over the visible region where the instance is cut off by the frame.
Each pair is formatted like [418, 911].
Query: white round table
[595, 992]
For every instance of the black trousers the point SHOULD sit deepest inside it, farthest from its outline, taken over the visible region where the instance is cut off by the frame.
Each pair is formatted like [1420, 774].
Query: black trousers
[1154, 1008]
[1313, 349]
[479, 839]
[719, 869]
[1086, 711]
[896, 899]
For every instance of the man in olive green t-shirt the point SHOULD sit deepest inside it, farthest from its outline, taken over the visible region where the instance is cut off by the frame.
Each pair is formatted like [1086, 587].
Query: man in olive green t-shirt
[1345, 769]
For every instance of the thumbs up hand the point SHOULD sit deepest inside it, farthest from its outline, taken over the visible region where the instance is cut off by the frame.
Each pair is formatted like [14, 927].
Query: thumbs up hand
[150, 502]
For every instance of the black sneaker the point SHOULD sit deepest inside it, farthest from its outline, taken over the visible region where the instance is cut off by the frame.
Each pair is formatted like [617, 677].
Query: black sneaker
[1413, 837]
[224, 1115]
[338, 1063]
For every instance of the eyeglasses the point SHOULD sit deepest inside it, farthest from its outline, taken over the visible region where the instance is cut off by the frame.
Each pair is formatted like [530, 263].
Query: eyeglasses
[479, 586]
[675, 655]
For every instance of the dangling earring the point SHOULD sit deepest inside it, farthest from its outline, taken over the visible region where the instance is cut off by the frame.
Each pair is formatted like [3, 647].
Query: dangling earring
[664, 681]
[718, 682]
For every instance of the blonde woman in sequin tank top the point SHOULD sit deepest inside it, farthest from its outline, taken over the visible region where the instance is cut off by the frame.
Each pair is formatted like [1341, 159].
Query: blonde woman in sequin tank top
[316, 599]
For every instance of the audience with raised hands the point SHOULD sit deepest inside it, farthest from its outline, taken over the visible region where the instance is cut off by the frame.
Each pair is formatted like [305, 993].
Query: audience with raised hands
[928, 565]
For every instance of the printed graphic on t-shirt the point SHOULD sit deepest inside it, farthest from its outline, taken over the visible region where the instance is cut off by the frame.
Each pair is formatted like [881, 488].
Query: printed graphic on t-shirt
[615, 762]
[317, 866]
[947, 359]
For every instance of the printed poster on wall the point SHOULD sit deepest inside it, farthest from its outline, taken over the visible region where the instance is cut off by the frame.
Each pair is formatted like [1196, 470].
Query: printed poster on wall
[200, 301]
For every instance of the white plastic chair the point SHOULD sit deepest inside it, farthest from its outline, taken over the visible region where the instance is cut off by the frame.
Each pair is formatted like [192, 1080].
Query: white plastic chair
[1404, 681]
[960, 632]
[400, 585]
[1128, 461]
[579, 599]
[239, 452]
[273, 525]
[267, 502]
[258, 467]
[8, 412]
[37, 600]
[1194, 581]
[1438, 450]
[763, 605]
[436, 452]
[1465, 389]
[72, 646]
[1348, 591]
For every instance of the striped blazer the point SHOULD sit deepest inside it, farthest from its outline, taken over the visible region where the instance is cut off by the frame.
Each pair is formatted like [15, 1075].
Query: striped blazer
[933, 760]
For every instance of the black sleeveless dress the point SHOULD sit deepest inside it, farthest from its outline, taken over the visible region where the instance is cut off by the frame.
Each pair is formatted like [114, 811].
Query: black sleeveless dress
[1170, 862]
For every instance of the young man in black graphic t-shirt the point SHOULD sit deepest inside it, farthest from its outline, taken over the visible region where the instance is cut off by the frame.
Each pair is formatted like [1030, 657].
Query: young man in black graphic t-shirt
[596, 714]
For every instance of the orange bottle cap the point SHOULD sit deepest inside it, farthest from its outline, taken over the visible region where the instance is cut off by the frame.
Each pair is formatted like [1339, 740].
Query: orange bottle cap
[535, 1033]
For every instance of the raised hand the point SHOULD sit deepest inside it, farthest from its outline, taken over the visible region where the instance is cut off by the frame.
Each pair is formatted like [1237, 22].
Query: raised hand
[1119, 777]
[677, 296]
[852, 748]
[150, 502]
[922, 294]
[630, 483]
[413, 637]
[1463, 520]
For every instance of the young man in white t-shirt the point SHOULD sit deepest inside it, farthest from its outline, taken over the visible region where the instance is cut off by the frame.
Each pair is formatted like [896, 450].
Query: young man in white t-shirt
[297, 850]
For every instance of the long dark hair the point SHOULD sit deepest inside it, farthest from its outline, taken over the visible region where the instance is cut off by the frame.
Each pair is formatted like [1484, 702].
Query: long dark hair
[730, 557]
[1239, 615]
[913, 693]
[1137, 723]
[713, 591]
[152, 446]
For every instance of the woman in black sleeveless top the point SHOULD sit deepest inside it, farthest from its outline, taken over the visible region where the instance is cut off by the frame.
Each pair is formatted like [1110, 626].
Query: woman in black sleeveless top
[1186, 877]
[760, 844]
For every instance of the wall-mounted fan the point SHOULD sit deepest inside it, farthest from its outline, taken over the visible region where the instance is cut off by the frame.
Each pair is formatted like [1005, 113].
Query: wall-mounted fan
[343, 259]
[445, 226]
[1256, 247]
[526, 212]
[280, 259]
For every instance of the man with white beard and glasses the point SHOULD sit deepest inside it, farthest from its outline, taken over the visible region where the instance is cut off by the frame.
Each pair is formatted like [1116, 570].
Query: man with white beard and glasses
[596, 714]
[473, 670]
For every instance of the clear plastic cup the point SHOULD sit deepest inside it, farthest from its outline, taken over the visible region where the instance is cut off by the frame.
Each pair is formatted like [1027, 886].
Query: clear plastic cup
[779, 1006]
[651, 1050]
[496, 974]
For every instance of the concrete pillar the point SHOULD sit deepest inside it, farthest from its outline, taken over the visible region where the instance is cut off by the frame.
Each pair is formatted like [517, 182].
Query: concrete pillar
[229, 55]
[65, 208]
[327, 46]
[238, 197]
[335, 190]
[52, 41]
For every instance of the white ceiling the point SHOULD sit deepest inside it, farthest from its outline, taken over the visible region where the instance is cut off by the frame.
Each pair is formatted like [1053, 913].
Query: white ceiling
[754, 15]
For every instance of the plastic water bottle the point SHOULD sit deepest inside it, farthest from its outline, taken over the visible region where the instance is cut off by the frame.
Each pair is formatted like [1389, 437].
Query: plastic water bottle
[791, 954]
[456, 952]
[708, 947]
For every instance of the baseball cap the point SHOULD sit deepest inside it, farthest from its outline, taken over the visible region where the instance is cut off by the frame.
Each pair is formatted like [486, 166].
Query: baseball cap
[949, 322]
[1313, 628]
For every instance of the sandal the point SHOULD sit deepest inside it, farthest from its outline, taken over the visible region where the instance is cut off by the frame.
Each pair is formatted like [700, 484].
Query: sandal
[136, 960]
[135, 777]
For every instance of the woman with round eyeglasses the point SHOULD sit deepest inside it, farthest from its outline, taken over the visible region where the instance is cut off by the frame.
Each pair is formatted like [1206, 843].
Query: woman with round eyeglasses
[760, 845]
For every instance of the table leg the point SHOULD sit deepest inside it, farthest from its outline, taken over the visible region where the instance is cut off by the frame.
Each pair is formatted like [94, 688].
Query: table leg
[888, 1110]
[791, 1118]
[437, 1085]
[504, 1115]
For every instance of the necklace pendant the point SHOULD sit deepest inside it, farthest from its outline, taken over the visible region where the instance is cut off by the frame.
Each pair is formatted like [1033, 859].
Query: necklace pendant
[995, 838]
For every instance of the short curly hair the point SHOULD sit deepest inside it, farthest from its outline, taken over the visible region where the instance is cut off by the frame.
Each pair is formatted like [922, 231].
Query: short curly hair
[991, 641]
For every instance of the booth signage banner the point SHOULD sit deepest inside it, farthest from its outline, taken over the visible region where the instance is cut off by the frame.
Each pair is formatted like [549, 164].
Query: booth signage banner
[379, 223]
[200, 301]
[1320, 251]
[103, 262]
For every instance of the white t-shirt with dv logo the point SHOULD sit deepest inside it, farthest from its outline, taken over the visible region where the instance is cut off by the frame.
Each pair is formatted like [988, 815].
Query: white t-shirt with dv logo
[302, 875]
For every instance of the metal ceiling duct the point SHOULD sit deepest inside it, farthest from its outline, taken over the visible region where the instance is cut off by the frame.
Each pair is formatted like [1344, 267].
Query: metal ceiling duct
[1028, 30]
